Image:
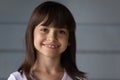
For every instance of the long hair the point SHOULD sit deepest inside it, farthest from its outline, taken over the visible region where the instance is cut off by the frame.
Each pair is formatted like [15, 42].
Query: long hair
[60, 16]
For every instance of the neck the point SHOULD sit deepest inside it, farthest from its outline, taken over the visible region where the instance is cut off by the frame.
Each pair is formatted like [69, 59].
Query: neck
[48, 64]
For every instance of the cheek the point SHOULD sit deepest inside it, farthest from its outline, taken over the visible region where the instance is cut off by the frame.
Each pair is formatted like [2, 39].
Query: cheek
[65, 41]
[37, 40]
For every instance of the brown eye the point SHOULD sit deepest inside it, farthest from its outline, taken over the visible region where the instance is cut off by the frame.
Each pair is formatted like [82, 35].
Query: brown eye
[44, 30]
[62, 32]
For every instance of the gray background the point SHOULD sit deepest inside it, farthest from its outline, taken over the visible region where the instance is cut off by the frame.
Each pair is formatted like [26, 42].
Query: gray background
[98, 40]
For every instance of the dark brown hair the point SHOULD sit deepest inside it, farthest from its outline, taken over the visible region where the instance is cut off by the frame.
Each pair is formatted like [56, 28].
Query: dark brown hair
[60, 16]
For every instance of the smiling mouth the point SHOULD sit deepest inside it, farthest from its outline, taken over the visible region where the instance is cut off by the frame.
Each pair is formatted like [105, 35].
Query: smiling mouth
[51, 46]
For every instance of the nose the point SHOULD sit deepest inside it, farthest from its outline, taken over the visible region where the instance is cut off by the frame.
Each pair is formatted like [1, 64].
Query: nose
[52, 36]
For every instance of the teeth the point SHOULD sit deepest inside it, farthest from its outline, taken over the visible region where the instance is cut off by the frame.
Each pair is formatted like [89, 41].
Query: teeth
[51, 46]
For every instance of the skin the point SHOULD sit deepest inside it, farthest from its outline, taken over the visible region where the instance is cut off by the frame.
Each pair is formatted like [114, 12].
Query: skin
[50, 43]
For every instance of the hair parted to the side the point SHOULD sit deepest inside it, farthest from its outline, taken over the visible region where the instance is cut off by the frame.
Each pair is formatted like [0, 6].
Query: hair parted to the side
[60, 16]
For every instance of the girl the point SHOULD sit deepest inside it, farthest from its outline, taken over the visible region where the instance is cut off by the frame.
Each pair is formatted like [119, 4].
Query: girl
[50, 45]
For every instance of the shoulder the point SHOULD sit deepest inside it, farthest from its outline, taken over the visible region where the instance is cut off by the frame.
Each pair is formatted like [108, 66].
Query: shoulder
[67, 77]
[16, 76]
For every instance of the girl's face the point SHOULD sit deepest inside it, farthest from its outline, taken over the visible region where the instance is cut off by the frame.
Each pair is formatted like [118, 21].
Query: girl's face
[50, 41]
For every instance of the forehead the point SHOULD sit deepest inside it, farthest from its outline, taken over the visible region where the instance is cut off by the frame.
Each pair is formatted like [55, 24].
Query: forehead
[43, 23]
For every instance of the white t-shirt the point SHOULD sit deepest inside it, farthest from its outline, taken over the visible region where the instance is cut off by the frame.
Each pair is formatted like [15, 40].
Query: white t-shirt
[17, 76]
